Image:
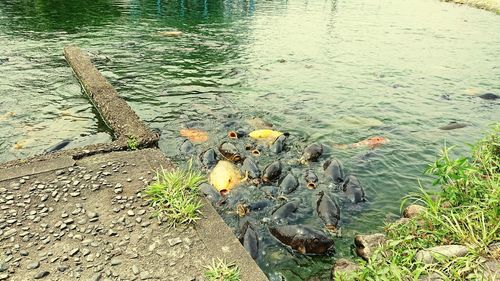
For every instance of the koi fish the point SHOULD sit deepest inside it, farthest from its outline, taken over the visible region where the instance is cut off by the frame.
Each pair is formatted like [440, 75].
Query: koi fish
[194, 135]
[265, 134]
[224, 176]
[369, 142]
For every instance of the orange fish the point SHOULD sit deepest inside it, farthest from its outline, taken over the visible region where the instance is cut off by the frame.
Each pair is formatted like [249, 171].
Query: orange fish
[194, 135]
[369, 142]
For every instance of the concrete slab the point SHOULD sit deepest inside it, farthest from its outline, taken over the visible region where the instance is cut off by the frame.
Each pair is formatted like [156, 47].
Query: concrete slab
[117, 114]
[24, 169]
[89, 221]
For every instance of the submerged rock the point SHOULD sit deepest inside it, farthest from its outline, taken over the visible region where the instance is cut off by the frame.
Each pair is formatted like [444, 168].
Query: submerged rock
[344, 266]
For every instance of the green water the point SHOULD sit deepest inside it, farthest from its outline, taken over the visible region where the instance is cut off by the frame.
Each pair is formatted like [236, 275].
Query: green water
[326, 71]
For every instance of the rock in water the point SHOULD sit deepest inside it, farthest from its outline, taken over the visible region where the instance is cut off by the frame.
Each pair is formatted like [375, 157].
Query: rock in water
[303, 238]
[344, 266]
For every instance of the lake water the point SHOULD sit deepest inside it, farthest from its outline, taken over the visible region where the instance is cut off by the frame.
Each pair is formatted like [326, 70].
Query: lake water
[334, 72]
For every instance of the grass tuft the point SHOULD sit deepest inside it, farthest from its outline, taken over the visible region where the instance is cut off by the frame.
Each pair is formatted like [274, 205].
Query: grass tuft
[175, 195]
[464, 212]
[221, 270]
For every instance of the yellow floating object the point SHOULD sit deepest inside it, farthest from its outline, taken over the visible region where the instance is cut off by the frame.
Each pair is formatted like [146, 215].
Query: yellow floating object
[265, 134]
[224, 176]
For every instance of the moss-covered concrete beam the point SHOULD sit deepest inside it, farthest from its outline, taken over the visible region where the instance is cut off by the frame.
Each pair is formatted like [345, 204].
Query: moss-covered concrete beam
[117, 114]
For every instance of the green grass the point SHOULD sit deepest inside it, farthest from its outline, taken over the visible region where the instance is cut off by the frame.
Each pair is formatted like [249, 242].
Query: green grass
[465, 212]
[175, 195]
[132, 143]
[221, 270]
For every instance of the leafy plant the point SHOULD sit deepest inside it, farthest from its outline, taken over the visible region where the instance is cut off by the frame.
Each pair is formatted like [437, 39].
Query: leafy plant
[175, 195]
[221, 270]
[132, 143]
[465, 212]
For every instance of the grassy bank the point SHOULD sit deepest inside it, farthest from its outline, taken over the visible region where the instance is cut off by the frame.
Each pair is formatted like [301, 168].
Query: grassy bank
[490, 5]
[464, 212]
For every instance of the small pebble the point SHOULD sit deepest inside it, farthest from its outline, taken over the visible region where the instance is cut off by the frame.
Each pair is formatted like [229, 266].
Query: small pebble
[41, 275]
[33, 265]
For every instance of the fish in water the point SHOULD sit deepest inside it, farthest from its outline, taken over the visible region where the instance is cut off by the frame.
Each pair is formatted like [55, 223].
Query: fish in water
[311, 179]
[334, 171]
[210, 193]
[250, 239]
[303, 238]
[311, 153]
[224, 176]
[238, 134]
[328, 210]
[353, 189]
[265, 135]
[453, 125]
[259, 205]
[187, 147]
[7, 115]
[208, 159]
[194, 135]
[284, 210]
[278, 144]
[58, 146]
[250, 169]
[369, 142]
[269, 190]
[289, 184]
[230, 152]
[174, 33]
[489, 96]
[272, 172]
[255, 149]
[259, 123]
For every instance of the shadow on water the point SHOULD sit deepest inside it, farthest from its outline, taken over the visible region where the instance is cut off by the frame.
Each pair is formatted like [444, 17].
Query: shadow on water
[59, 15]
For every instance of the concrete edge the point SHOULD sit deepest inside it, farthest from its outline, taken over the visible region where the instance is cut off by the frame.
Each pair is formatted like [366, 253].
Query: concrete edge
[75, 153]
[222, 243]
[37, 168]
